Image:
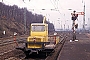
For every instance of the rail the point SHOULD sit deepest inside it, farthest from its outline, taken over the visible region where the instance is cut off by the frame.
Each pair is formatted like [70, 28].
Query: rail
[59, 46]
[6, 42]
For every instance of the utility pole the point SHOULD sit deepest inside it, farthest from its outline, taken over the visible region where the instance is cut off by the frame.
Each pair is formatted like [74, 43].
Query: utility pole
[2, 0]
[64, 27]
[24, 20]
[61, 25]
[68, 27]
[84, 18]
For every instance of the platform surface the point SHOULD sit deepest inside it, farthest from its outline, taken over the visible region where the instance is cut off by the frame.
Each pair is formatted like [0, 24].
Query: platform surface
[76, 50]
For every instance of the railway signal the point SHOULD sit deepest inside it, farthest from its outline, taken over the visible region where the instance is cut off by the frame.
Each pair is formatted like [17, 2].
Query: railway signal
[74, 16]
[74, 25]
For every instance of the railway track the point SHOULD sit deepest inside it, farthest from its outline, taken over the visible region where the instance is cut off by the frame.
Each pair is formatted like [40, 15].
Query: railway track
[54, 54]
[12, 55]
[58, 48]
[7, 46]
[18, 55]
[8, 41]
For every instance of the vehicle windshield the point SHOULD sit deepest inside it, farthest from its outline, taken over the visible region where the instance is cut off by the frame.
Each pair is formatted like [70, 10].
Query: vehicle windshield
[38, 28]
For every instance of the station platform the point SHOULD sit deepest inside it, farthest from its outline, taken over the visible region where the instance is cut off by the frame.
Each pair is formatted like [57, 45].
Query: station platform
[76, 50]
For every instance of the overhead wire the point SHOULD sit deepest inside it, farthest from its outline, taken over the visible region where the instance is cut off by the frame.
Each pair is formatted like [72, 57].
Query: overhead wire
[24, 1]
[57, 7]
[33, 5]
[54, 5]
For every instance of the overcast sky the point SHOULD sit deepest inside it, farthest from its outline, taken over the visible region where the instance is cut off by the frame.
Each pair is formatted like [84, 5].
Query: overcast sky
[63, 15]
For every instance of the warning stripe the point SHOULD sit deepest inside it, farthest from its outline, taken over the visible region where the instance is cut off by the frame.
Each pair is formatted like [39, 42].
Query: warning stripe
[79, 13]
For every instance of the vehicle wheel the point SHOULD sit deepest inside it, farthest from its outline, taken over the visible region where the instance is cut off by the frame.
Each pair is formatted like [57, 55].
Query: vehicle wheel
[27, 54]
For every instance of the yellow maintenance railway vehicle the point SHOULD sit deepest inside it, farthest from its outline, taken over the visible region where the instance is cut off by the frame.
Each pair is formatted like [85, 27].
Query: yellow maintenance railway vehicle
[38, 36]
[39, 40]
